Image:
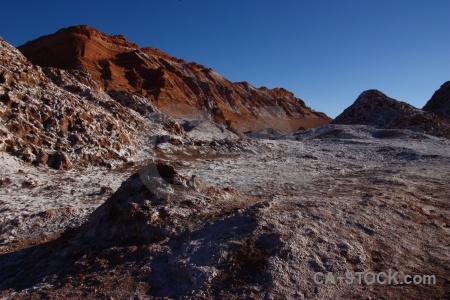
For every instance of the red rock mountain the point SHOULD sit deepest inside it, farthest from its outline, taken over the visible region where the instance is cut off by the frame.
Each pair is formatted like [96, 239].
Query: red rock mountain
[178, 87]
[54, 117]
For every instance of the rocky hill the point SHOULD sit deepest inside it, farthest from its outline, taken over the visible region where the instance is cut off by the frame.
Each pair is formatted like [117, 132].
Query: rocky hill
[374, 108]
[56, 118]
[170, 83]
[440, 102]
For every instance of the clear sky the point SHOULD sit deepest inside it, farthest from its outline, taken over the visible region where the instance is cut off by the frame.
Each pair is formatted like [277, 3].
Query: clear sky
[325, 51]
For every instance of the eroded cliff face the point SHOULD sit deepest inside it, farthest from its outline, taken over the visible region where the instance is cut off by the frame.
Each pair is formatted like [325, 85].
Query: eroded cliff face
[54, 117]
[179, 88]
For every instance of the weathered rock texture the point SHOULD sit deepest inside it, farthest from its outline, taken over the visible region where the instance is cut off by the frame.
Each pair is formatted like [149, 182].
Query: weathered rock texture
[440, 102]
[298, 206]
[118, 65]
[376, 109]
[57, 118]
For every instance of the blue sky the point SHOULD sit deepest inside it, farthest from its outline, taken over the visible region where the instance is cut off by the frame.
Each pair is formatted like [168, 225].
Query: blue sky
[325, 51]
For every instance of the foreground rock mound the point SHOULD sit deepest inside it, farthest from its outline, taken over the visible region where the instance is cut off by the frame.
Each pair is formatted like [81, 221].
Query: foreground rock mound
[148, 219]
[376, 109]
[154, 204]
[440, 102]
[180, 88]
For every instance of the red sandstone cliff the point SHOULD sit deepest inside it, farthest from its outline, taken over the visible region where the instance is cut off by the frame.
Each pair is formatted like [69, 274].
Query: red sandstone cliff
[118, 65]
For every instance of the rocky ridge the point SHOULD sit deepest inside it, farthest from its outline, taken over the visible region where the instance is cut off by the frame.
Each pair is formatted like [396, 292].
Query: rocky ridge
[374, 108]
[440, 101]
[58, 118]
[118, 65]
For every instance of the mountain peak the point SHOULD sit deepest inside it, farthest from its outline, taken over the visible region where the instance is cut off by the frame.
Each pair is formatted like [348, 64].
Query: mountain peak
[73, 47]
[374, 108]
[440, 101]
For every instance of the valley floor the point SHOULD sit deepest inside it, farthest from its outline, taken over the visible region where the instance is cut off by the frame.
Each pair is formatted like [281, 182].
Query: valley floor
[331, 199]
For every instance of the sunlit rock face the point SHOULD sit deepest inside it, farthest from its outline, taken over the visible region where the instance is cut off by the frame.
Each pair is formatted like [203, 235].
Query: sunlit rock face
[45, 124]
[178, 87]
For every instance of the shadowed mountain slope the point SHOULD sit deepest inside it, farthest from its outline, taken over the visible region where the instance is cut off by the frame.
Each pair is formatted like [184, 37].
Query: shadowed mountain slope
[440, 102]
[374, 108]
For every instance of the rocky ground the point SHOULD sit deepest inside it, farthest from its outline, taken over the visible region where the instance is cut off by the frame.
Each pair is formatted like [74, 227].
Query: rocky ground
[249, 218]
[129, 174]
